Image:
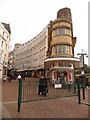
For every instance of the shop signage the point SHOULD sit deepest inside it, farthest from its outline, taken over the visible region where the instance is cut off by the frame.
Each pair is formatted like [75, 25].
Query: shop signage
[58, 85]
[65, 65]
[69, 74]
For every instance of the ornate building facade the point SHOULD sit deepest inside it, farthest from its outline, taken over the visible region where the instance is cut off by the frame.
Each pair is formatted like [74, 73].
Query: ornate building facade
[51, 52]
[4, 48]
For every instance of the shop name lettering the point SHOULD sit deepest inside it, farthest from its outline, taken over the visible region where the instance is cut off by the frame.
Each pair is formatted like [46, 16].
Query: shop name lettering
[65, 65]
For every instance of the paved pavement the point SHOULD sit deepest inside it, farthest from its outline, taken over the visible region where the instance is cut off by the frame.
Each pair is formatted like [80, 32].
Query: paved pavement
[5, 113]
[53, 108]
[0, 110]
[0, 99]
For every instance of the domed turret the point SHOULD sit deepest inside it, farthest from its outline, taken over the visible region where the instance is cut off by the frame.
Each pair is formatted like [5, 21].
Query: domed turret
[65, 12]
[62, 39]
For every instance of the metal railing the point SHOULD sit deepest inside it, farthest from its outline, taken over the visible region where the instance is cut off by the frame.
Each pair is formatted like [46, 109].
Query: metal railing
[28, 91]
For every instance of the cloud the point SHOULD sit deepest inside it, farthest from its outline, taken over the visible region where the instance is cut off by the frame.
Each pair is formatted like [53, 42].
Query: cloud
[3, 3]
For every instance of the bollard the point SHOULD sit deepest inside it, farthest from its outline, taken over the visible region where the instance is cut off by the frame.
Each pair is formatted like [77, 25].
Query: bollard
[83, 85]
[69, 87]
[74, 89]
[83, 91]
[79, 97]
[19, 94]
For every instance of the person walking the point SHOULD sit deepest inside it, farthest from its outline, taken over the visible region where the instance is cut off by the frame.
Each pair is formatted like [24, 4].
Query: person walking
[40, 85]
[43, 88]
[10, 77]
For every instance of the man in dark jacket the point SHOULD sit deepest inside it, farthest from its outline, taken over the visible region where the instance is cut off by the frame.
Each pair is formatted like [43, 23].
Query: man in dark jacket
[84, 80]
[43, 86]
[40, 85]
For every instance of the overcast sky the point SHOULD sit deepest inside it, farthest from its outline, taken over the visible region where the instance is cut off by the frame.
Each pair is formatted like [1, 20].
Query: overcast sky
[27, 18]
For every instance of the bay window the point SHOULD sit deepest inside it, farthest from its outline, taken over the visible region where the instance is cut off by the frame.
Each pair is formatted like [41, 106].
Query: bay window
[62, 31]
[61, 49]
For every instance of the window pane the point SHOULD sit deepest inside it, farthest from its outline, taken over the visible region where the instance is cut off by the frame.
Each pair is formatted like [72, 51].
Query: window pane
[68, 49]
[62, 14]
[55, 32]
[61, 49]
[62, 31]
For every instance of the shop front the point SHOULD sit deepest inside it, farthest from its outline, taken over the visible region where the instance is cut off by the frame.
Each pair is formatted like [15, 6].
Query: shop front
[61, 69]
[62, 76]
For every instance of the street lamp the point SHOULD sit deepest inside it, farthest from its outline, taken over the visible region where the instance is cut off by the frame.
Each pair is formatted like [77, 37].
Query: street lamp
[83, 74]
[85, 52]
[82, 57]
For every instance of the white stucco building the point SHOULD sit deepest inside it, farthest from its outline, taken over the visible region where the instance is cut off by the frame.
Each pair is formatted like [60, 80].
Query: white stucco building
[4, 48]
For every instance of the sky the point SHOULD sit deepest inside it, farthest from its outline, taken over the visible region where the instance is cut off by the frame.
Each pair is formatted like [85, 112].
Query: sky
[27, 18]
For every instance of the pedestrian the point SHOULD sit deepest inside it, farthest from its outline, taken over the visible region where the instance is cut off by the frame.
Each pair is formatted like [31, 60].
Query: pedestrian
[43, 88]
[40, 85]
[10, 77]
[84, 80]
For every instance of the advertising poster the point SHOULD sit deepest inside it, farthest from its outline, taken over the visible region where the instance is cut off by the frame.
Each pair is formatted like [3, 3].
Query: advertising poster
[69, 76]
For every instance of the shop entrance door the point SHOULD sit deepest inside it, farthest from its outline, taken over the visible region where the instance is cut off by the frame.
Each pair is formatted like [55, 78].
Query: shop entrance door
[62, 80]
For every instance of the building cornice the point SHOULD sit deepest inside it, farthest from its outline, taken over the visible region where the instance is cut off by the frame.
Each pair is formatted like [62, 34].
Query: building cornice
[62, 59]
[3, 27]
[62, 19]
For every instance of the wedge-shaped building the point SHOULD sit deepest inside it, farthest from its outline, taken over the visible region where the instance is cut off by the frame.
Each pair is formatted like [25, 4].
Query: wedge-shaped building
[51, 52]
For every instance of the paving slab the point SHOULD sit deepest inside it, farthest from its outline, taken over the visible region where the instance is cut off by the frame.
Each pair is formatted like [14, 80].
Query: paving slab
[53, 108]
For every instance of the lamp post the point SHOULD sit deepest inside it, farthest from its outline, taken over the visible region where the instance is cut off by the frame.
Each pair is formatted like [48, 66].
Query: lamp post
[82, 58]
[82, 67]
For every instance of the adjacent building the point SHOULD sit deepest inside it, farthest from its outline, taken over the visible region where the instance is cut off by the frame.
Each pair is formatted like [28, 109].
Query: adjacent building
[11, 57]
[11, 60]
[51, 52]
[4, 49]
[29, 57]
